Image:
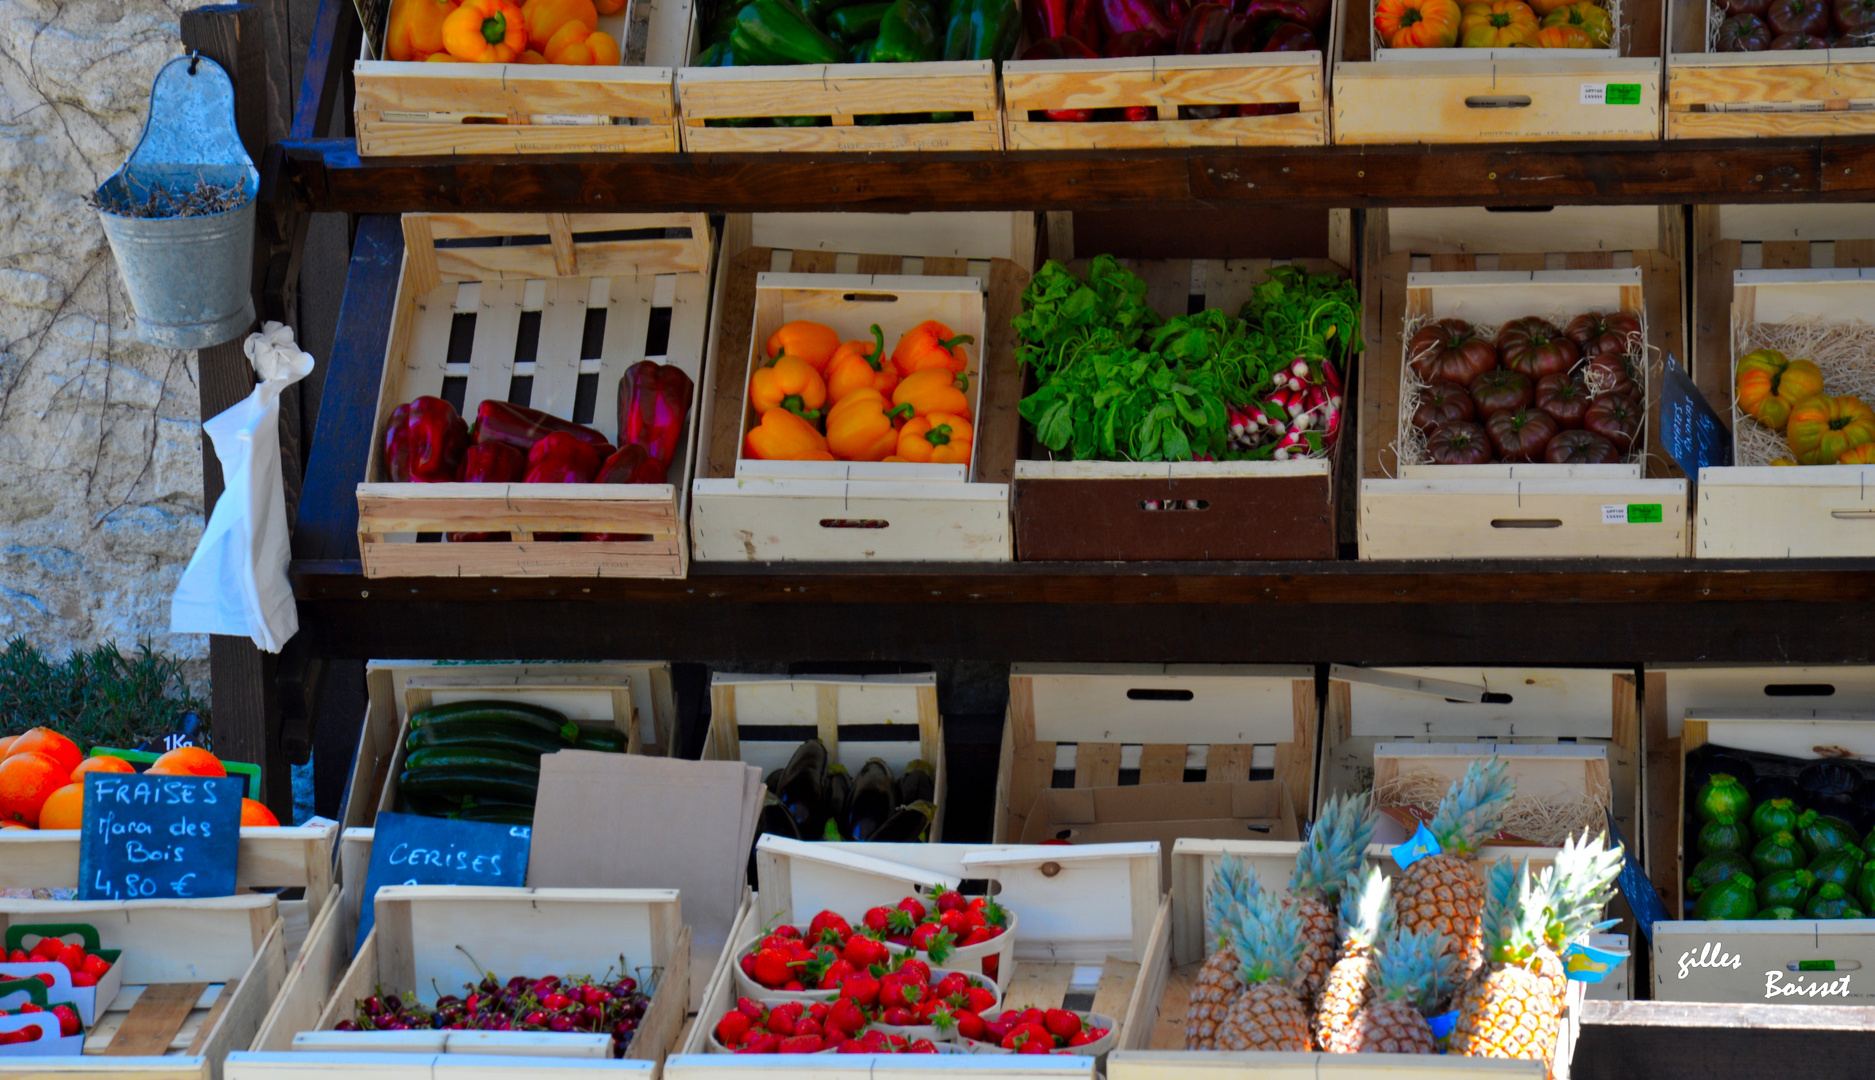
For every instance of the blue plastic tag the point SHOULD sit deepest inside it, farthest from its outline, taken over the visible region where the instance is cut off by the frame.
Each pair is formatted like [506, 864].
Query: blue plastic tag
[1588, 964]
[1442, 1025]
[1420, 845]
[1643, 899]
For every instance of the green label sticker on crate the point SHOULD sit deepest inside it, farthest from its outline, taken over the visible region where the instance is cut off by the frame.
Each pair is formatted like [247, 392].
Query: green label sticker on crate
[1645, 514]
[1611, 93]
[1816, 965]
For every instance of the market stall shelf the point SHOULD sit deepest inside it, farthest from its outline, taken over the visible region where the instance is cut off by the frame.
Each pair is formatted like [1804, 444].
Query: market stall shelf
[556, 320]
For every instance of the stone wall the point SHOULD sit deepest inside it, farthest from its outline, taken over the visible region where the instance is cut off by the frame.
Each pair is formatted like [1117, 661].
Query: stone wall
[100, 444]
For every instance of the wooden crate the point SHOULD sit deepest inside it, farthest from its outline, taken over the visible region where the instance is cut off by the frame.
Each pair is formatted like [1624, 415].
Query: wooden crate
[1672, 692]
[842, 93]
[323, 959]
[1503, 511]
[446, 108]
[1384, 95]
[1189, 510]
[1166, 721]
[198, 977]
[1801, 962]
[760, 719]
[567, 266]
[282, 857]
[1166, 83]
[744, 518]
[1766, 265]
[1085, 916]
[414, 947]
[1715, 95]
[600, 694]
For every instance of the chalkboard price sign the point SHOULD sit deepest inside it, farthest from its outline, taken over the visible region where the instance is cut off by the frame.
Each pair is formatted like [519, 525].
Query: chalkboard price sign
[409, 849]
[159, 837]
[1690, 430]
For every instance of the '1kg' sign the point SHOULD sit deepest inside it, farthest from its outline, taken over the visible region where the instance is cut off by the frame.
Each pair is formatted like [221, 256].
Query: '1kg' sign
[159, 837]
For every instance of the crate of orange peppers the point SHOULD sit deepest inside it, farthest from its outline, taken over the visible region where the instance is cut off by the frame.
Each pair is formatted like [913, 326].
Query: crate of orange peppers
[860, 426]
[518, 77]
[1473, 71]
[42, 800]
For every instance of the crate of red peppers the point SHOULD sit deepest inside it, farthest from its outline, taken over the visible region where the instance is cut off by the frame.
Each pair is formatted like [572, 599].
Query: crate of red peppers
[1144, 73]
[536, 415]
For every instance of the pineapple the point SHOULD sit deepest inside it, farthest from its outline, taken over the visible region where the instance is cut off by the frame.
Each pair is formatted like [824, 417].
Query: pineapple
[1412, 978]
[1507, 1010]
[1366, 917]
[1440, 892]
[1332, 853]
[1232, 884]
[1265, 1014]
[1575, 889]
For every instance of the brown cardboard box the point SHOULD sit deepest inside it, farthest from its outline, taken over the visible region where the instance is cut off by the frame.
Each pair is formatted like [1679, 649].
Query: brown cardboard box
[1221, 810]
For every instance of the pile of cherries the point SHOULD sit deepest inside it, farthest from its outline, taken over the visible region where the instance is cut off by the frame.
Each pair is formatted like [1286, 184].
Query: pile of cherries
[577, 1004]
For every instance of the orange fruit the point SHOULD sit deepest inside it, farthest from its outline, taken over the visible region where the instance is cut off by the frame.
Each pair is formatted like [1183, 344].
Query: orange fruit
[43, 740]
[187, 761]
[26, 781]
[6, 743]
[64, 808]
[101, 763]
[253, 813]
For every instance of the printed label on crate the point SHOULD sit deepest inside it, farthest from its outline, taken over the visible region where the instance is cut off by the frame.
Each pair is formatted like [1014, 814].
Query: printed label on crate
[1795, 980]
[159, 837]
[1611, 93]
[1633, 513]
[409, 849]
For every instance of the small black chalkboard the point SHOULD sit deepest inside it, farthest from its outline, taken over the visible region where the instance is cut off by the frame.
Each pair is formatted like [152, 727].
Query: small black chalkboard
[159, 837]
[1690, 430]
[409, 849]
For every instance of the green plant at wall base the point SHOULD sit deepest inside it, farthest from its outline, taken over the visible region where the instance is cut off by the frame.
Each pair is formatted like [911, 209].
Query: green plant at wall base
[98, 698]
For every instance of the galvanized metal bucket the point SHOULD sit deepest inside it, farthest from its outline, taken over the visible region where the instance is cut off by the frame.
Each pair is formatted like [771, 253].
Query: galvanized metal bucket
[189, 277]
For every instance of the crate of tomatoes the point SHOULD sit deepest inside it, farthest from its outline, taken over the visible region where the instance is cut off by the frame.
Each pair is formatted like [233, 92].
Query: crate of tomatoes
[1769, 68]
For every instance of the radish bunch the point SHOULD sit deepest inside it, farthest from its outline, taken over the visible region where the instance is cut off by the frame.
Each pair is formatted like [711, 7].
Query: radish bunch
[1305, 399]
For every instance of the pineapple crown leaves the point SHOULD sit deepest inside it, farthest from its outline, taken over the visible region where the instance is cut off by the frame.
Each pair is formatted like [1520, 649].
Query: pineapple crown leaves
[1335, 846]
[1576, 887]
[1473, 810]
[1267, 937]
[1231, 884]
[1515, 913]
[1414, 967]
[1366, 908]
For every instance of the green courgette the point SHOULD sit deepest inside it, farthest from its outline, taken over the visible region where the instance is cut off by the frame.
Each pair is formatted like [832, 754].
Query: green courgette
[611, 740]
[498, 815]
[472, 757]
[499, 735]
[514, 712]
[462, 782]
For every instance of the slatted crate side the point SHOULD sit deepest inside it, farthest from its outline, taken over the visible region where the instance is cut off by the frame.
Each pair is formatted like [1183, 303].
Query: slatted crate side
[269, 857]
[457, 289]
[1237, 719]
[1763, 94]
[842, 93]
[1496, 98]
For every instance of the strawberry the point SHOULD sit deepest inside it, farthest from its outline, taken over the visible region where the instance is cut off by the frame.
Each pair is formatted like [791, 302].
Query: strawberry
[991, 965]
[819, 1010]
[976, 936]
[951, 985]
[808, 1026]
[979, 999]
[970, 1025]
[861, 990]
[788, 931]
[845, 1016]
[949, 900]
[72, 956]
[48, 948]
[933, 940]
[69, 1023]
[911, 906]
[1083, 1038]
[894, 990]
[878, 920]
[955, 922]
[899, 1016]
[1029, 1035]
[29, 1007]
[761, 1042]
[993, 913]
[863, 952]
[84, 978]
[916, 969]
[794, 986]
[1035, 1046]
[837, 972]
[19, 956]
[783, 1018]
[922, 1046]
[854, 1046]
[801, 1044]
[1031, 1015]
[834, 1039]
[732, 1029]
[772, 968]
[927, 1009]
[747, 964]
[1061, 1023]
[97, 965]
[826, 921]
[752, 1009]
[971, 919]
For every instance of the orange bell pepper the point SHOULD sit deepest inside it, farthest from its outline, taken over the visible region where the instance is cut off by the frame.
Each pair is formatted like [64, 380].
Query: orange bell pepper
[576, 43]
[860, 365]
[940, 438]
[934, 390]
[930, 344]
[486, 32]
[414, 30]
[546, 16]
[783, 436]
[810, 341]
[861, 427]
[610, 7]
[786, 382]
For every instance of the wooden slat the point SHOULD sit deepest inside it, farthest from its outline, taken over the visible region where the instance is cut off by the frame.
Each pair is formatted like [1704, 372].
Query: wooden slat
[1115, 992]
[1041, 985]
[491, 359]
[1162, 763]
[556, 360]
[1425, 101]
[1096, 764]
[537, 559]
[1303, 128]
[155, 1019]
[1168, 1031]
[1227, 762]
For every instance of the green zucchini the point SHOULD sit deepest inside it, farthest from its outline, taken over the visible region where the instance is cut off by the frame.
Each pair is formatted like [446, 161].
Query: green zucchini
[513, 712]
[461, 782]
[610, 740]
[498, 815]
[498, 735]
[473, 757]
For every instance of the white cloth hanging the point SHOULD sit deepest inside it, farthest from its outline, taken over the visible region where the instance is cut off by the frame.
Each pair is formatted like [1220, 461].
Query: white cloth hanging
[236, 581]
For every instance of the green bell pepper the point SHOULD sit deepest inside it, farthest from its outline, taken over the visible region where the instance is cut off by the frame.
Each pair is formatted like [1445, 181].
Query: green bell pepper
[721, 23]
[983, 30]
[857, 22]
[862, 52]
[776, 32]
[717, 55]
[906, 34]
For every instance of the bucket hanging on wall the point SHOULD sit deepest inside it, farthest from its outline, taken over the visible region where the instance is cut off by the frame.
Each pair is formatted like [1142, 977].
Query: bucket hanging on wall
[180, 213]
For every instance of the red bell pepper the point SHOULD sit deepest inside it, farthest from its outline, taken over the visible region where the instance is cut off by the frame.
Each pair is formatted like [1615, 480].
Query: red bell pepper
[1127, 16]
[653, 400]
[424, 442]
[1137, 43]
[1291, 37]
[1206, 30]
[632, 464]
[493, 463]
[522, 427]
[563, 458]
[1059, 48]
